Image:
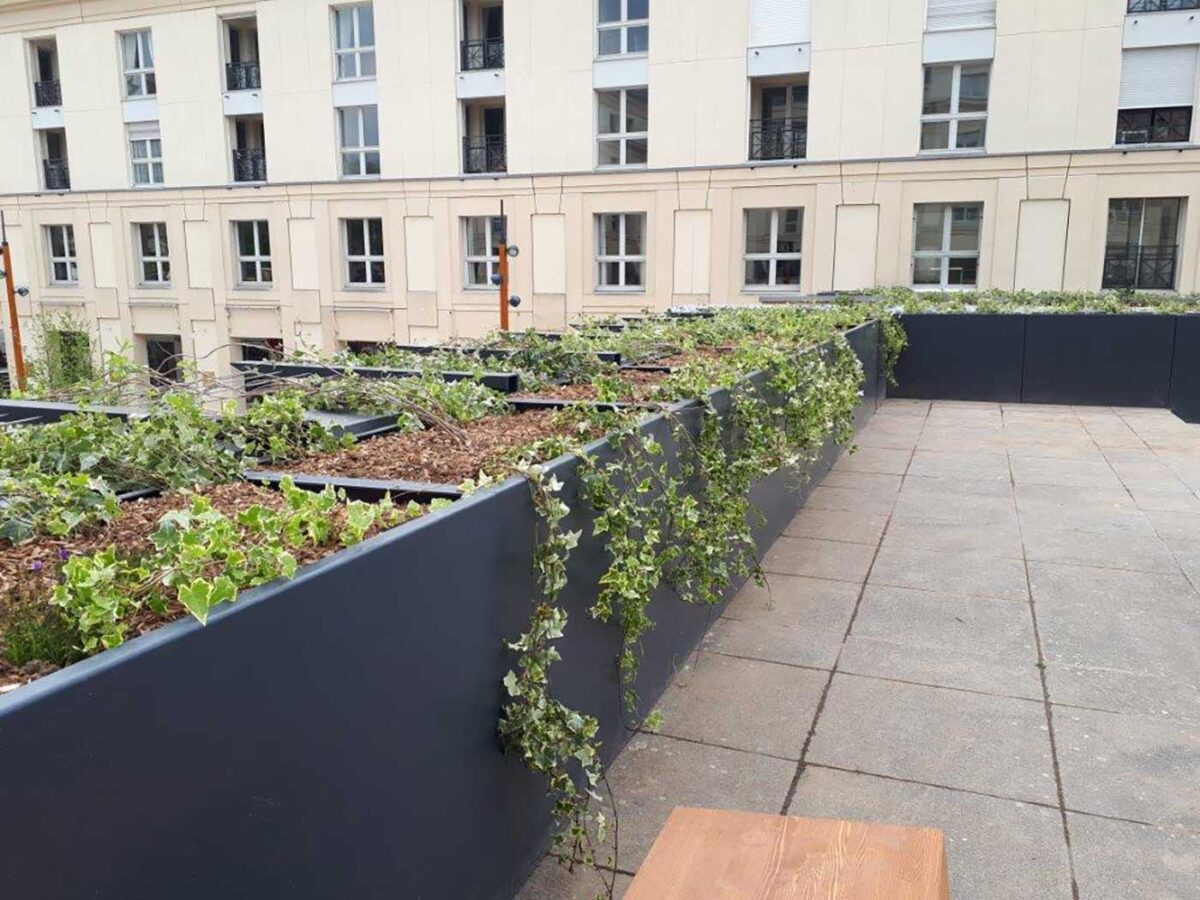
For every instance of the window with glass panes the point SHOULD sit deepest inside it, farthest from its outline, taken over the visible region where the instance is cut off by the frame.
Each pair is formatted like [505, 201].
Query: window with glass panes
[364, 252]
[1141, 249]
[481, 249]
[137, 62]
[623, 122]
[358, 127]
[164, 353]
[354, 42]
[621, 251]
[773, 239]
[954, 109]
[946, 244]
[624, 27]
[253, 243]
[145, 155]
[154, 259]
[60, 247]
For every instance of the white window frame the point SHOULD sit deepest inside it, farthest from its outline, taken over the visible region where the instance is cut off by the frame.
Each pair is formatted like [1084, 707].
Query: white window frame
[773, 256]
[623, 137]
[146, 134]
[257, 259]
[69, 258]
[945, 253]
[372, 254]
[159, 258]
[145, 48]
[623, 24]
[623, 255]
[954, 116]
[491, 261]
[356, 50]
[361, 150]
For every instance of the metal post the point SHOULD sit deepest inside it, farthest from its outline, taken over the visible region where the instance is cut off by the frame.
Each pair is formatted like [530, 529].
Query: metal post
[10, 289]
[503, 250]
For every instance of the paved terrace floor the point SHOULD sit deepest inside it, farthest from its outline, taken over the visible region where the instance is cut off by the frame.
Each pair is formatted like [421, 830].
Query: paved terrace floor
[986, 620]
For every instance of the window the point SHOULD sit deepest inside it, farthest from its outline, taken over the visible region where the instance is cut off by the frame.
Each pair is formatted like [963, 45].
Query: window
[954, 111]
[1142, 244]
[621, 251]
[154, 261]
[137, 59]
[359, 129]
[1158, 87]
[1148, 6]
[364, 252]
[354, 42]
[950, 15]
[252, 241]
[481, 245]
[622, 127]
[163, 355]
[64, 267]
[145, 154]
[624, 27]
[946, 244]
[773, 248]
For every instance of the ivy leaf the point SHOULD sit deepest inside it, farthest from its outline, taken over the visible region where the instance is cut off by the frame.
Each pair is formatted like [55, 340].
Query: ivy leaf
[196, 597]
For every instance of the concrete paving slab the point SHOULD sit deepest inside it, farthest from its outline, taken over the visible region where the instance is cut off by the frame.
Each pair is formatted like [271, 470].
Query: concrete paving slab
[1113, 590]
[554, 881]
[1122, 860]
[848, 500]
[996, 849]
[881, 460]
[976, 574]
[795, 601]
[837, 525]
[977, 742]
[991, 465]
[873, 484]
[1124, 690]
[946, 537]
[814, 558]
[1135, 553]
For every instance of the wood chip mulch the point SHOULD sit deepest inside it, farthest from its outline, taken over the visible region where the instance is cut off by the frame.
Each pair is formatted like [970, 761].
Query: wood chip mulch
[641, 387]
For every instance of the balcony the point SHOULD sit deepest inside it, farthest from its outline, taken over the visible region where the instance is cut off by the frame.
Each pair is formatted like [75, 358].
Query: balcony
[484, 154]
[243, 76]
[47, 93]
[57, 174]
[1140, 268]
[1165, 125]
[485, 54]
[250, 164]
[1149, 6]
[778, 139]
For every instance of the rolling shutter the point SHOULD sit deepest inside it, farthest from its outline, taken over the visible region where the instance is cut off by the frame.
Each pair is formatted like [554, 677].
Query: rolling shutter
[776, 22]
[947, 14]
[1158, 76]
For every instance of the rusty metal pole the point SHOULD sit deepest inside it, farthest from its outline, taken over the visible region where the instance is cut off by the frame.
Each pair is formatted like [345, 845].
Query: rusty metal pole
[503, 250]
[11, 290]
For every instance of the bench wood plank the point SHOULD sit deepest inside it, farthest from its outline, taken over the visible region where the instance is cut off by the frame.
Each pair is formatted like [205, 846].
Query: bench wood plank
[704, 854]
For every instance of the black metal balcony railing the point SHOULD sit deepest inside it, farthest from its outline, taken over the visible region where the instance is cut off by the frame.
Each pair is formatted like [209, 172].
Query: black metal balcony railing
[243, 76]
[58, 174]
[485, 54]
[250, 165]
[47, 93]
[1164, 125]
[778, 138]
[1148, 6]
[1142, 268]
[484, 154]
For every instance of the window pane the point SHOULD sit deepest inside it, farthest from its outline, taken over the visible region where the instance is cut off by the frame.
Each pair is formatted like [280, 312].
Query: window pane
[1162, 222]
[344, 27]
[499, 234]
[264, 238]
[149, 273]
[637, 39]
[1124, 221]
[366, 26]
[354, 238]
[758, 231]
[151, 84]
[373, 163]
[927, 270]
[964, 228]
[348, 126]
[929, 223]
[358, 273]
[935, 135]
[608, 107]
[56, 242]
[633, 274]
[366, 64]
[146, 233]
[377, 273]
[973, 89]
[637, 114]
[972, 133]
[476, 236]
[610, 41]
[245, 238]
[141, 174]
[477, 275]
[161, 232]
[266, 273]
[129, 51]
[155, 148]
[758, 272]
[610, 153]
[787, 272]
[610, 231]
[634, 241]
[610, 274]
[166, 270]
[635, 152]
[157, 171]
[638, 9]
[346, 66]
[938, 82]
[370, 118]
[610, 10]
[351, 164]
[69, 231]
[963, 271]
[249, 273]
[147, 43]
[790, 226]
[133, 86]
[375, 233]
[138, 149]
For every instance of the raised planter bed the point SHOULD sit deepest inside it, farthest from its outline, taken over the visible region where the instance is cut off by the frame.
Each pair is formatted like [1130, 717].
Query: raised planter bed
[962, 356]
[505, 382]
[41, 412]
[1185, 373]
[333, 736]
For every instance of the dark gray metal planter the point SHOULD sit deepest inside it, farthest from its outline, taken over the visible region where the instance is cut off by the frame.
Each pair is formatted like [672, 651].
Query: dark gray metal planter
[333, 736]
[505, 382]
[1185, 374]
[962, 356]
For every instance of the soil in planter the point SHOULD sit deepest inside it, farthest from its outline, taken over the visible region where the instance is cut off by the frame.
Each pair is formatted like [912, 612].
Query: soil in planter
[439, 456]
[30, 571]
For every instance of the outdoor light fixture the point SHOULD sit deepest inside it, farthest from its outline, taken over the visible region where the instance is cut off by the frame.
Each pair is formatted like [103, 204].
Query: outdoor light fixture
[514, 251]
[514, 301]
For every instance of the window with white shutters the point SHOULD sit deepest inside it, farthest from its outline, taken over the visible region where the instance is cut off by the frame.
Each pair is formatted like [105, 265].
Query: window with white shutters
[945, 15]
[1158, 89]
[777, 22]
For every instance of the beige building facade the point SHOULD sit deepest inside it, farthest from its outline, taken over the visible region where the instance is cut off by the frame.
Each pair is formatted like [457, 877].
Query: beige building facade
[200, 173]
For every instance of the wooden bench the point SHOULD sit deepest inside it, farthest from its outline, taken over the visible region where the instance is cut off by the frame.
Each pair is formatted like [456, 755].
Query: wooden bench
[705, 854]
